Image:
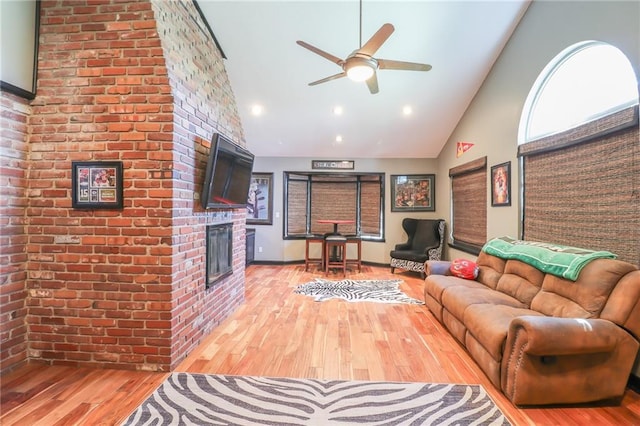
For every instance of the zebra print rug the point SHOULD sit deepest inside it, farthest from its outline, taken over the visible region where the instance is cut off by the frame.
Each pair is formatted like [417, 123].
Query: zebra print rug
[199, 399]
[382, 291]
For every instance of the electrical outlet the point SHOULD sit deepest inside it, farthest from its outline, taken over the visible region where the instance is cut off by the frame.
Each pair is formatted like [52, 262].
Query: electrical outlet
[259, 249]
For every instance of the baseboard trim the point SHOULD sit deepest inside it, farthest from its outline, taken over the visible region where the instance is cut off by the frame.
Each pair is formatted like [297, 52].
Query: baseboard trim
[301, 262]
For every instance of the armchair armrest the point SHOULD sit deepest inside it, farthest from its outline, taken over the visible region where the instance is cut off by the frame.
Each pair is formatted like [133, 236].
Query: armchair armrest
[550, 336]
[437, 267]
[431, 247]
[403, 246]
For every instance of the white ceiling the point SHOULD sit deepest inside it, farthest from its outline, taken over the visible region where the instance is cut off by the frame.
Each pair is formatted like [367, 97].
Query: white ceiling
[460, 39]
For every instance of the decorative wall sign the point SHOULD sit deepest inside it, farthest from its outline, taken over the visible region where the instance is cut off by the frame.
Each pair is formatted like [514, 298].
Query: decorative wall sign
[332, 164]
[96, 184]
[501, 184]
[413, 193]
[260, 200]
[462, 147]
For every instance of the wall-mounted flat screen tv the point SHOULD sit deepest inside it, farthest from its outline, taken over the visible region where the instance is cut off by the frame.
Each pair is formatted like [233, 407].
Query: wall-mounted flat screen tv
[228, 175]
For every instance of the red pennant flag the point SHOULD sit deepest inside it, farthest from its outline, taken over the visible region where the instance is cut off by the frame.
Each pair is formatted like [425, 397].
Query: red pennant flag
[462, 148]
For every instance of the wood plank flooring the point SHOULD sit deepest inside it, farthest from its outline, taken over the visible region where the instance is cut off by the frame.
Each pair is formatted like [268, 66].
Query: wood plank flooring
[278, 333]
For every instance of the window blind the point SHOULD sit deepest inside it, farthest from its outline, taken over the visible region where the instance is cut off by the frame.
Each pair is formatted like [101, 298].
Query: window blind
[587, 193]
[333, 198]
[469, 205]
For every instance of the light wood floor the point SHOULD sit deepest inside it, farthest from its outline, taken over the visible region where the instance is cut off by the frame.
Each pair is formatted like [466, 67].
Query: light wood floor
[278, 333]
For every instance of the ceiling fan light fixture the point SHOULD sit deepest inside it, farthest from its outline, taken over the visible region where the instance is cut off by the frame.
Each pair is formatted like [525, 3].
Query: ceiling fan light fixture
[359, 68]
[360, 72]
[361, 65]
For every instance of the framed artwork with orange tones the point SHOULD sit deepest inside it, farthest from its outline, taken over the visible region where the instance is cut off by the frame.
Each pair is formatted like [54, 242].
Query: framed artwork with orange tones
[501, 184]
[413, 193]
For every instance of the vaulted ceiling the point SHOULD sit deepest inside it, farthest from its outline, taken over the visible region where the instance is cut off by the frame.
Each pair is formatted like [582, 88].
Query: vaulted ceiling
[414, 112]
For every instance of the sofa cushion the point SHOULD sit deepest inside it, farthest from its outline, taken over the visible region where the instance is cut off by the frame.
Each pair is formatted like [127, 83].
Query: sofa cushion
[434, 285]
[489, 325]
[584, 298]
[490, 269]
[457, 299]
[521, 281]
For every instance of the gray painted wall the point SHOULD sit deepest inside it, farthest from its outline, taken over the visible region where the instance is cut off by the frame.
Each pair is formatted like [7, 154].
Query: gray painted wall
[269, 237]
[492, 119]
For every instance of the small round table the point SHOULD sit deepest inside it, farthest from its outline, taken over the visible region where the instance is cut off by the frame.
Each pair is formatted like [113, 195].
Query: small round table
[336, 222]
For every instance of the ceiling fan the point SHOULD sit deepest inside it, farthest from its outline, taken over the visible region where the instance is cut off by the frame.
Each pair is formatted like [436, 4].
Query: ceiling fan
[360, 65]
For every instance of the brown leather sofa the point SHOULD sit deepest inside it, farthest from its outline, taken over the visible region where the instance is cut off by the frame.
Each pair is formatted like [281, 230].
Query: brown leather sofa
[539, 338]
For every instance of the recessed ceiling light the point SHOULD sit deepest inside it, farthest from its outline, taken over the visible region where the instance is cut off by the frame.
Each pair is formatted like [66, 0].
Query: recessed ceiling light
[339, 138]
[257, 110]
[337, 110]
[407, 110]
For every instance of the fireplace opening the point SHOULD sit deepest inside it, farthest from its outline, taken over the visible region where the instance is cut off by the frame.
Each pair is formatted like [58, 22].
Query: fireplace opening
[219, 252]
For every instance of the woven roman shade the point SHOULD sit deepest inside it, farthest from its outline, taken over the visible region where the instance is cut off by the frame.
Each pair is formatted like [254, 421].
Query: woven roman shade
[371, 195]
[582, 187]
[469, 200]
[297, 204]
[333, 198]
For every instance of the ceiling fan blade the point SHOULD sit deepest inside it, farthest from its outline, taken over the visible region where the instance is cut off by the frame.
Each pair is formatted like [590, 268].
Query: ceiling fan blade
[324, 80]
[322, 53]
[373, 84]
[374, 43]
[386, 64]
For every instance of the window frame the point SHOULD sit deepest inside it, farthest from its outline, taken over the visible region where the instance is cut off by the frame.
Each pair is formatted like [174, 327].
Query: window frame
[380, 237]
[598, 159]
[539, 87]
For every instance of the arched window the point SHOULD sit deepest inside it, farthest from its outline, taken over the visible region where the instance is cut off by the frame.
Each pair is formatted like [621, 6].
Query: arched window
[579, 144]
[586, 81]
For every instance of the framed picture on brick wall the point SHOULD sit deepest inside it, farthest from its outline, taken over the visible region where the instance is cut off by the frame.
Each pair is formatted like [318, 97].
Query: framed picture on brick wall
[96, 184]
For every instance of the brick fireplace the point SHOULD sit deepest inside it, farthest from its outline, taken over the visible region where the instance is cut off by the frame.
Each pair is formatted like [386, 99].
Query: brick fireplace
[117, 288]
[219, 257]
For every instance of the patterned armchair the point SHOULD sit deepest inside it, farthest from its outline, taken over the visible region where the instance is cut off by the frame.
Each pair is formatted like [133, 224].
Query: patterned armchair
[425, 242]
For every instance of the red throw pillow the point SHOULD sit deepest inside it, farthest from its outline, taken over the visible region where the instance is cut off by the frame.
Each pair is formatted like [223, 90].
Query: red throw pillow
[464, 268]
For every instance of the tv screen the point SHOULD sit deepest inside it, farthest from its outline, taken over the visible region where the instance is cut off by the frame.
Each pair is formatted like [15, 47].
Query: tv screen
[228, 175]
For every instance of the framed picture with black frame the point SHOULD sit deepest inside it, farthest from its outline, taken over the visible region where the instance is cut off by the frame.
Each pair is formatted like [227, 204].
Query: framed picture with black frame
[501, 184]
[413, 193]
[96, 185]
[260, 199]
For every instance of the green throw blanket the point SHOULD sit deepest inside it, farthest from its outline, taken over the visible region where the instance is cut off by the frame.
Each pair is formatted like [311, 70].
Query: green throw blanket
[563, 261]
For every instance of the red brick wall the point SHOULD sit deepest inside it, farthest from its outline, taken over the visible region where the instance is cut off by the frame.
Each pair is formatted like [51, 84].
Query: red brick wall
[204, 104]
[14, 113]
[125, 289]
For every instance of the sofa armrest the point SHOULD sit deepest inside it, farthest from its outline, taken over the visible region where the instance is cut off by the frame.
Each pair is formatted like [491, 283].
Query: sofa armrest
[437, 267]
[550, 360]
[550, 336]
